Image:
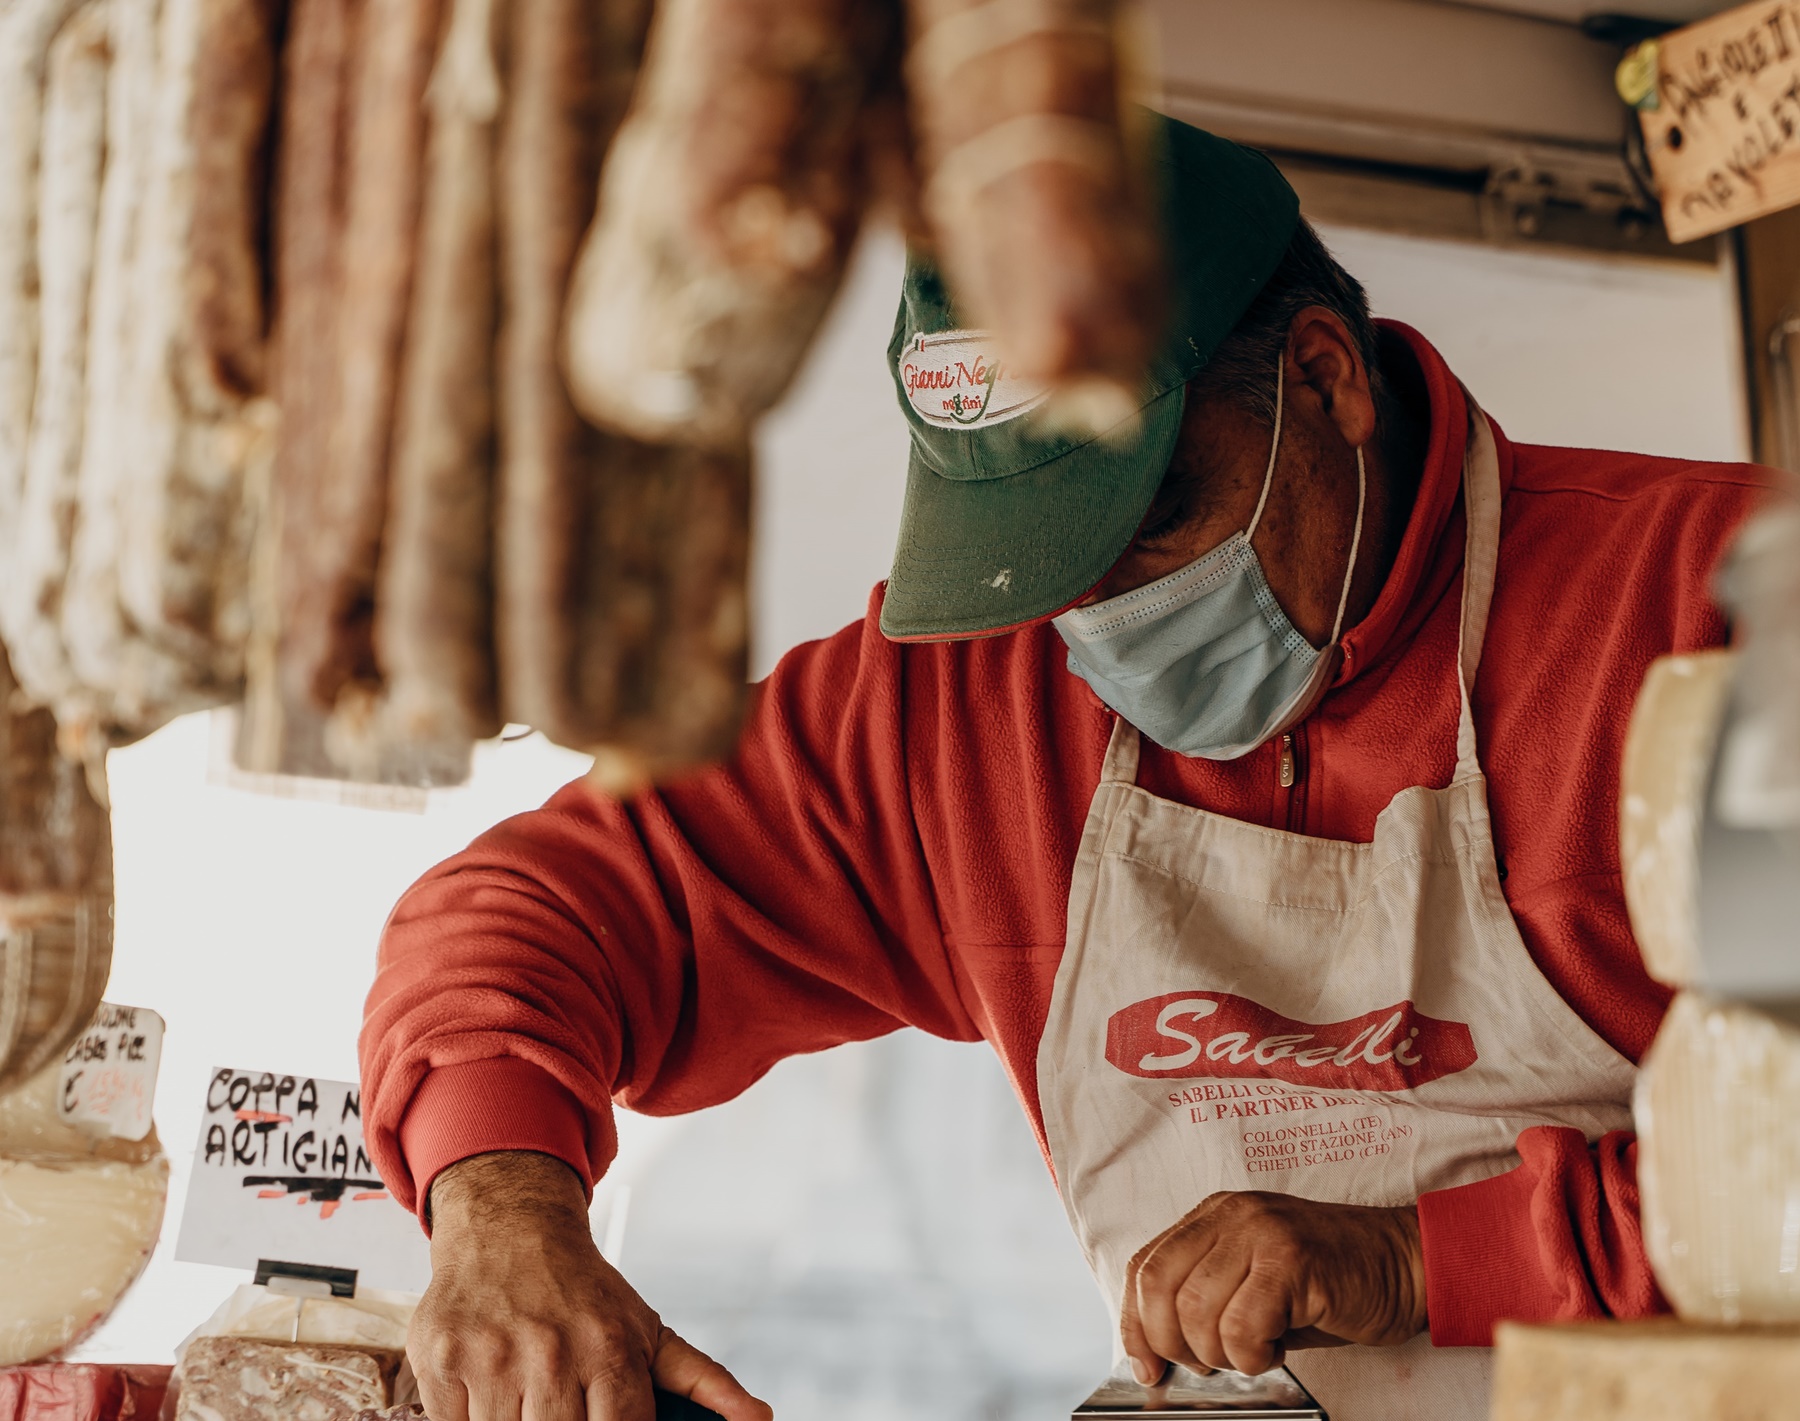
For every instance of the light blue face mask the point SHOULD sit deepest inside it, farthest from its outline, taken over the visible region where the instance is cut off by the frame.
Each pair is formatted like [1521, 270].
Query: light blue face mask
[1204, 661]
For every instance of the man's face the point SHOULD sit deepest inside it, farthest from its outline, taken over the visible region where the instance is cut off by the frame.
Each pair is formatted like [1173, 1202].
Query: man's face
[1221, 455]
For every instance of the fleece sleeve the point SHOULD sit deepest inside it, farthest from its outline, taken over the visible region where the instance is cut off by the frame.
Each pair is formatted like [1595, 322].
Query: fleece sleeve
[1556, 1239]
[666, 951]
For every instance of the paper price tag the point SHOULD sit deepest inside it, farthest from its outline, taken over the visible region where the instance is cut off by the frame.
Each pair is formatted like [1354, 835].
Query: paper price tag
[108, 1082]
[281, 1172]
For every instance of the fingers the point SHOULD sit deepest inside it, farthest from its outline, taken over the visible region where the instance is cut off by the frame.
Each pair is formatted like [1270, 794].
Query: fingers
[442, 1400]
[524, 1373]
[1251, 1328]
[1189, 1312]
[620, 1391]
[687, 1371]
[1146, 1365]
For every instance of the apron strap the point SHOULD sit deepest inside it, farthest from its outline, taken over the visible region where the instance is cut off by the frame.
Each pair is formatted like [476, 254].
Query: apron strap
[1481, 557]
[1121, 764]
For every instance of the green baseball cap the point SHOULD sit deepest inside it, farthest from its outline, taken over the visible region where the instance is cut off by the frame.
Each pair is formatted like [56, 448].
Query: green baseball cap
[1009, 516]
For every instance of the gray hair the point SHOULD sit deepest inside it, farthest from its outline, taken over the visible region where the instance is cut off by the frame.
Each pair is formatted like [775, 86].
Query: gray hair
[1242, 368]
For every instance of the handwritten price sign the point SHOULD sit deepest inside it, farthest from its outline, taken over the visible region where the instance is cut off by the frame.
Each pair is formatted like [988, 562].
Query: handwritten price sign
[281, 1172]
[108, 1082]
[1719, 103]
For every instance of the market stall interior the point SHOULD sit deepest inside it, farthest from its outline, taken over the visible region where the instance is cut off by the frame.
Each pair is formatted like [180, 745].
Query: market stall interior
[408, 409]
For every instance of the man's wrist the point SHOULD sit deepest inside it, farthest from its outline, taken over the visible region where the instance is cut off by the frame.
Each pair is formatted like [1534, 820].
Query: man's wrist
[491, 1188]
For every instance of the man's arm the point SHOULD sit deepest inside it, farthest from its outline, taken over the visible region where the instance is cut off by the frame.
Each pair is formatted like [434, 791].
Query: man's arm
[666, 951]
[663, 952]
[524, 1317]
[1557, 1239]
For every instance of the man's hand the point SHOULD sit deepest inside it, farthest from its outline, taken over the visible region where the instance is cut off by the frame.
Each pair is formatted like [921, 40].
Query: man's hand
[1247, 1276]
[524, 1321]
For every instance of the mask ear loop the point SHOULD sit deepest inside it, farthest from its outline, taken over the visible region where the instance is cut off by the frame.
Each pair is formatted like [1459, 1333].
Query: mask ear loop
[1362, 491]
[1274, 449]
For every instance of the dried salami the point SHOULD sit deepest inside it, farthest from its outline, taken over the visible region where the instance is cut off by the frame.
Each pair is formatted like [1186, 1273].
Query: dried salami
[433, 618]
[1033, 189]
[727, 208]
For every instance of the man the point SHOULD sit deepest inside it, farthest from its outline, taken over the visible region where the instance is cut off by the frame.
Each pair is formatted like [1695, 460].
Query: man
[1246, 776]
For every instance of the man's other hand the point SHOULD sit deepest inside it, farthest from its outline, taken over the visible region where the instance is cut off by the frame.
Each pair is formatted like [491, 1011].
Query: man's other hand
[1247, 1276]
[524, 1321]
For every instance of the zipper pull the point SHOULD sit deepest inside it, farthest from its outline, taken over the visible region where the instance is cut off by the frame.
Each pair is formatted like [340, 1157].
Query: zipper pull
[1285, 774]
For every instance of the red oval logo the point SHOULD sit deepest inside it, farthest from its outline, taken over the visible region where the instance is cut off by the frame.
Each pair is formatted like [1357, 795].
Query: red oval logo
[1209, 1035]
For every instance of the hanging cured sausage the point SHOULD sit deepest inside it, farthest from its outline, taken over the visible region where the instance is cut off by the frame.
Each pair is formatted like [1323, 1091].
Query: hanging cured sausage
[419, 436]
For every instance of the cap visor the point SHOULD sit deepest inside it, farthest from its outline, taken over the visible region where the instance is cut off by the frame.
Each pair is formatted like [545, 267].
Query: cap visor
[981, 556]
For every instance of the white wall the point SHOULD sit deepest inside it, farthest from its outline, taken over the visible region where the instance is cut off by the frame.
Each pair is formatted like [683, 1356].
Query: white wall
[868, 1232]
[1569, 350]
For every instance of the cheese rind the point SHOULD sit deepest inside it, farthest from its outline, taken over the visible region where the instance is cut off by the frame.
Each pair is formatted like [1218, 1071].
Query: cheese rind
[79, 1216]
[1668, 754]
[1633, 1371]
[1718, 1117]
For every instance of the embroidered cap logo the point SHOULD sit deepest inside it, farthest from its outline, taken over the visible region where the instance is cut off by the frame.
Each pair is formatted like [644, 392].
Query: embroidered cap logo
[956, 380]
[1213, 1035]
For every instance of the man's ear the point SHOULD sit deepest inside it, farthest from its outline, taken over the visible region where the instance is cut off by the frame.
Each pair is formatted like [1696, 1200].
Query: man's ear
[1325, 356]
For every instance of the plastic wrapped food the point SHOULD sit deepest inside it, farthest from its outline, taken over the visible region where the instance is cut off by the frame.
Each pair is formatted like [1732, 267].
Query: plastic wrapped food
[1718, 1117]
[82, 1391]
[240, 1379]
[79, 1216]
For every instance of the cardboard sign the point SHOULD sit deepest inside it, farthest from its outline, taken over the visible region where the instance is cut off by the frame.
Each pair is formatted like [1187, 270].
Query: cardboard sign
[1722, 120]
[280, 1172]
[108, 1080]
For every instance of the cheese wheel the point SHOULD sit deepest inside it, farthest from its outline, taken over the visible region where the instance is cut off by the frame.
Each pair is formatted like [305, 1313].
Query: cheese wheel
[79, 1216]
[1635, 1371]
[1718, 1117]
[1668, 757]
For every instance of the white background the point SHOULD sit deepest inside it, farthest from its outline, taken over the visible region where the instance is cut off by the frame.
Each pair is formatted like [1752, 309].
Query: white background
[868, 1233]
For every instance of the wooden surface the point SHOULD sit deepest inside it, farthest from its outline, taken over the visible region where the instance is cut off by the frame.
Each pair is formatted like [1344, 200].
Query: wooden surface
[1657, 1370]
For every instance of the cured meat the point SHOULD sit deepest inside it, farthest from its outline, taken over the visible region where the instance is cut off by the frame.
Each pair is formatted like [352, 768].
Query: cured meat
[1033, 192]
[282, 726]
[433, 620]
[154, 611]
[74, 143]
[353, 131]
[55, 892]
[184, 553]
[239, 1379]
[386, 146]
[569, 73]
[661, 618]
[727, 209]
[83, 1214]
[27, 28]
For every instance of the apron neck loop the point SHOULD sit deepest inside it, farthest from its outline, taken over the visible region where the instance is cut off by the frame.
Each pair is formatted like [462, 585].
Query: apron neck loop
[1121, 763]
[1481, 556]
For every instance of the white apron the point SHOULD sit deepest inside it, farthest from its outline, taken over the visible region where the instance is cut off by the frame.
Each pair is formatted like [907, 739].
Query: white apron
[1246, 1008]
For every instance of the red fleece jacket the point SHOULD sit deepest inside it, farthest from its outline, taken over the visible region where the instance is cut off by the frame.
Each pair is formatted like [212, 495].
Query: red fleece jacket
[892, 846]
